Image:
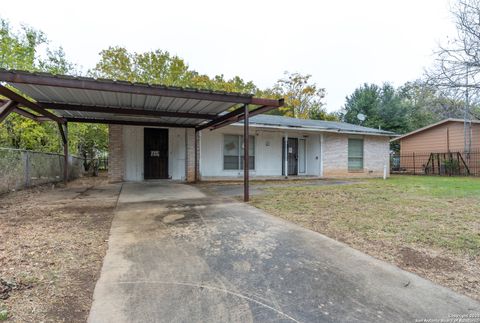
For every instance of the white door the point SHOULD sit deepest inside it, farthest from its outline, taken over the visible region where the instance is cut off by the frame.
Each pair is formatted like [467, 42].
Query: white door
[302, 160]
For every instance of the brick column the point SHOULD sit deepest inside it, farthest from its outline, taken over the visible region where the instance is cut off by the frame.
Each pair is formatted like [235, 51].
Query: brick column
[115, 153]
[198, 138]
[190, 155]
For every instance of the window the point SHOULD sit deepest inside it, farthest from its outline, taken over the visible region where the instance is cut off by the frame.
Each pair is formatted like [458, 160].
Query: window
[233, 152]
[355, 154]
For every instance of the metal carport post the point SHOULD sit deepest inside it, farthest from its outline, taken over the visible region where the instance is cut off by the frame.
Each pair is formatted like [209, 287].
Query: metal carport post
[64, 134]
[246, 157]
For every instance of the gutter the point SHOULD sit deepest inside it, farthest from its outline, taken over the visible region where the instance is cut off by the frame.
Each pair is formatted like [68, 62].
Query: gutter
[329, 130]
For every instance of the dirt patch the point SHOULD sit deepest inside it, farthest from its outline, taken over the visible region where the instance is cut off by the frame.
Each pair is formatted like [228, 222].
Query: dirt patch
[53, 243]
[409, 257]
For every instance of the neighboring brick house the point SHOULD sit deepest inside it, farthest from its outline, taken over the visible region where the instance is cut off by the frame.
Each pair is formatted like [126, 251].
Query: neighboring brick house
[278, 146]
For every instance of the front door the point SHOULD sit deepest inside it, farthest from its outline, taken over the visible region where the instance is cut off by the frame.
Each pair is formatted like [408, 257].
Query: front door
[292, 156]
[155, 153]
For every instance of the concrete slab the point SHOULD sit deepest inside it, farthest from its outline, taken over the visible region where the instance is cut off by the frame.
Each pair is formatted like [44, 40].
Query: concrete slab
[178, 255]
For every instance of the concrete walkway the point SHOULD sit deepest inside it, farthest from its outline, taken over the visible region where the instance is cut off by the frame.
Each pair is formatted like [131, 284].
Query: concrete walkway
[178, 255]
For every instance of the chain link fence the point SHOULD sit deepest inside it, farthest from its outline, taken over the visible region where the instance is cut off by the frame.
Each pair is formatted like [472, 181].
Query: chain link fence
[24, 168]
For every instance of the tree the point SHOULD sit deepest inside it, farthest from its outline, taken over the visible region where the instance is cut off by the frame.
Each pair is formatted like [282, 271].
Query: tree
[91, 140]
[457, 67]
[21, 133]
[160, 67]
[409, 107]
[21, 50]
[303, 99]
[322, 114]
[364, 100]
[427, 105]
[383, 107]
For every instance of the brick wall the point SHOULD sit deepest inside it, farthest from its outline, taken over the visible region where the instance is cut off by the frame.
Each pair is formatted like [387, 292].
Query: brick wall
[115, 153]
[376, 155]
[190, 155]
[198, 139]
[376, 152]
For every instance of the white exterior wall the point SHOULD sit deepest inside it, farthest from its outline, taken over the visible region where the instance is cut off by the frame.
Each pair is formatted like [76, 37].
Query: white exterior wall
[313, 155]
[268, 152]
[133, 153]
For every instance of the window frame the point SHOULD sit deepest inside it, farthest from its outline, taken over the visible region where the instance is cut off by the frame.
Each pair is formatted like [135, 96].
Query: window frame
[362, 168]
[240, 153]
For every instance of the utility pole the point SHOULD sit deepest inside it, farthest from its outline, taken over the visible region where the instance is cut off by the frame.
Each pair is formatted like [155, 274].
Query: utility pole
[467, 139]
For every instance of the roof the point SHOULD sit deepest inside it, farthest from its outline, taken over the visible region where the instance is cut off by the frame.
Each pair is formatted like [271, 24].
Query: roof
[315, 125]
[432, 126]
[85, 99]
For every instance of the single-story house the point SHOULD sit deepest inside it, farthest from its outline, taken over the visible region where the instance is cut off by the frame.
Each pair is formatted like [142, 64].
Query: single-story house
[164, 132]
[445, 136]
[448, 147]
[278, 146]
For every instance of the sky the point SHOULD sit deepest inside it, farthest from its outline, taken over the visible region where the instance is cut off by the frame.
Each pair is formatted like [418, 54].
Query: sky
[341, 43]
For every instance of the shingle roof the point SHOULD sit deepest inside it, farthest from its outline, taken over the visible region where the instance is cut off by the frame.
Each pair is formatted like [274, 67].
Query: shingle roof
[307, 124]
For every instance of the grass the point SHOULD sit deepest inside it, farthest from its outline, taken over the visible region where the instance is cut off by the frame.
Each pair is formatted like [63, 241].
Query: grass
[427, 225]
[442, 212]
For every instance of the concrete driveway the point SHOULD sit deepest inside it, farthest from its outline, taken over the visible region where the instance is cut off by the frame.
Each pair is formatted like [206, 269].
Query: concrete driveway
[177, 254]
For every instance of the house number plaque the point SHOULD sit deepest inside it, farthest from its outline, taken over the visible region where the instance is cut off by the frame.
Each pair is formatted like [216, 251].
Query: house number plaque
[154, 153]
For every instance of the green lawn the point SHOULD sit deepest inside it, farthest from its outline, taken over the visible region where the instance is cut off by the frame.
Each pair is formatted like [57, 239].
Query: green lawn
[441, 212]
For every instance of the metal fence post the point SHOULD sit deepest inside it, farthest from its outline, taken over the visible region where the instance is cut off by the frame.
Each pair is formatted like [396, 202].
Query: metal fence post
[414, 164]
[27, 168]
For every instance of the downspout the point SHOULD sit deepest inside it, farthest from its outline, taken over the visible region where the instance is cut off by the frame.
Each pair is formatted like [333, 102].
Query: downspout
[285, 164]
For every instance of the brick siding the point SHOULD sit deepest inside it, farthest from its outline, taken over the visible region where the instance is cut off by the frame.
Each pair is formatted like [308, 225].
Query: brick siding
[115, 153]
[376, 152]
[190, 155]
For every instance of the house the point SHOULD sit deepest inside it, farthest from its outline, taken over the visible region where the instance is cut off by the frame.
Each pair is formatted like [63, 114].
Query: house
[164, 132]
[445, 136]
[278, 145]
[448, 147]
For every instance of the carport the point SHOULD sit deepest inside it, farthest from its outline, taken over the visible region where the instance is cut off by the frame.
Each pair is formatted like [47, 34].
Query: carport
[63, 99]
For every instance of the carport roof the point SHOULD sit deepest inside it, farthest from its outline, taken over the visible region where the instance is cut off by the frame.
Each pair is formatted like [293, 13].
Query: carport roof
[85, 99]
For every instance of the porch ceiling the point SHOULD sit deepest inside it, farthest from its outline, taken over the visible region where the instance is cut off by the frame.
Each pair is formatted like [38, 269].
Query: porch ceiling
[82, 99]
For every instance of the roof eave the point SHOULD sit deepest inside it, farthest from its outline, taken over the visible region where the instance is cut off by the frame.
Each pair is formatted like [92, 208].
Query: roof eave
[313, 129]
[429, 127]
[85, 83]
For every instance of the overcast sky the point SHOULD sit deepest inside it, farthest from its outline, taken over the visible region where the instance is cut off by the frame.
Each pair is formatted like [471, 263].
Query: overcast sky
[341, 43]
